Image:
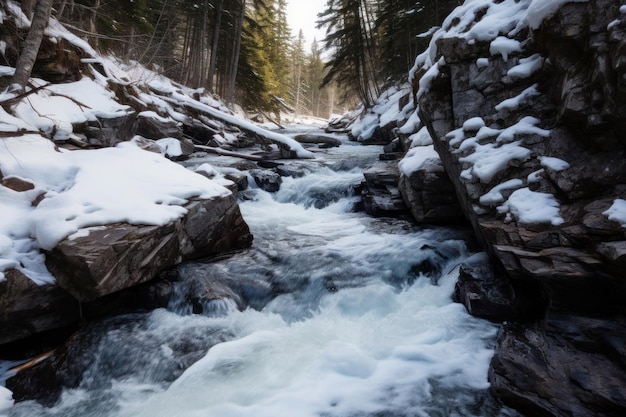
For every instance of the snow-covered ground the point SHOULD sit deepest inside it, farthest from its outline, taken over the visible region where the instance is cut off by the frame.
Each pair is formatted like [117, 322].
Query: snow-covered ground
[83, 189]
[90, 188]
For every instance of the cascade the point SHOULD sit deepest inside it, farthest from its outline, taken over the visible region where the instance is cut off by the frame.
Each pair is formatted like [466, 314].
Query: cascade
[328, 314]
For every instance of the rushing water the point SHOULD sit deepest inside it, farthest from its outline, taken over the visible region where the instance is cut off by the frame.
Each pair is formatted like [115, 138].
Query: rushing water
[330, 313]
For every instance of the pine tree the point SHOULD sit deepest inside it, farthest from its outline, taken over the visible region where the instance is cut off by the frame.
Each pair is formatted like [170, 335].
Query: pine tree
[317, 96]
[299, 85]
[350, 37]
[400, 24]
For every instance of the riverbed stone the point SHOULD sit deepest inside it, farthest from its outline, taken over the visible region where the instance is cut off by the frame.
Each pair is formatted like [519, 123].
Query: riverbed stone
[266, 179]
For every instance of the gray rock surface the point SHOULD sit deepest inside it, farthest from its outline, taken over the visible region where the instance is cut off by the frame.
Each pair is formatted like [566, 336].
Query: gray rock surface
[122, 255]
[431, 197]
[27, 309]
[571, 267]
[379, 190]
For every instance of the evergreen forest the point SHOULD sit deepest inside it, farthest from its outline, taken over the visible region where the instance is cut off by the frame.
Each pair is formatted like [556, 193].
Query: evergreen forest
[245, 52]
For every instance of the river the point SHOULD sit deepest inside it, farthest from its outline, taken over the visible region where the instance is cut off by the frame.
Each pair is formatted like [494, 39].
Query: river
[330, 313]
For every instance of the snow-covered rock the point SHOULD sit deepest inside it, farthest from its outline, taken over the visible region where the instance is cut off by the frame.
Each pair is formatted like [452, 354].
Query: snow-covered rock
[524, 100]
[90, 222]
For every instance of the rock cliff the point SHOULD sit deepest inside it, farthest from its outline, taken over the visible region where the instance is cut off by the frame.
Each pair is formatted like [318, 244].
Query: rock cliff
[525, 103]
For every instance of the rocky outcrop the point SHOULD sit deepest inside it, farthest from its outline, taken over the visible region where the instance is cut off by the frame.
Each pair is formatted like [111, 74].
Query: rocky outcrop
[430, 195]
[571, 365]
[27, 309]
[379, 190]
[528, 123]
[95, 272]
[120, 256]
[499, 135]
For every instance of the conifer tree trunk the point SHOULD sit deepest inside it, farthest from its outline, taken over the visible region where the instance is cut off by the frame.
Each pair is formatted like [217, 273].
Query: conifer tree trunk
[233, 75]
[30, 48]
[216, 36]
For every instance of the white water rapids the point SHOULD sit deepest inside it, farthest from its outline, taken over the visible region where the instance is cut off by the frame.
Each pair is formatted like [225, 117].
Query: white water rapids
[339, 323]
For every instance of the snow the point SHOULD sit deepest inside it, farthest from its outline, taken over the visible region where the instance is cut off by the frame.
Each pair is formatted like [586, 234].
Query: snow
[411, 125]
[418, 158]
[170, 147]
[530, 207]
[494, 196]
[473, 124]
[540, 10]
[488, 160]
[428, 78]
[57, 106]
[421, 138]
[6, 71]
[482, 62]
[56, 30]
[504, 46]
[526, 67]
[555, 164]
[617, 212]
[515, 102]
[82, 189]
[386, 110]
[527, 125]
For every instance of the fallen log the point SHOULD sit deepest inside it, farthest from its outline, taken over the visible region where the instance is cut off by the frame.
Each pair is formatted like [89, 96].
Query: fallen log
[283, 141]
[224, 152]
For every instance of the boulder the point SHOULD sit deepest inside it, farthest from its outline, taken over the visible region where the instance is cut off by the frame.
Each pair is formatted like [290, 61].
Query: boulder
[431, 197]
[27, 309]
[569, 365]
[483, 294]
[152, 126]
[266, 179]
[110, 129]
[379, 191]
[121, 255]
[16, 184]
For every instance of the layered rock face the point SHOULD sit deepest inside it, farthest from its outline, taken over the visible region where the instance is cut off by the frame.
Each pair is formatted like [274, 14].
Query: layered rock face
[120, 256]
[525, 103]
[113, 258]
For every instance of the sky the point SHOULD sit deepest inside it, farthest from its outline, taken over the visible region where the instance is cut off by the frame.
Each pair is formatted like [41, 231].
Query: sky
[302, 14]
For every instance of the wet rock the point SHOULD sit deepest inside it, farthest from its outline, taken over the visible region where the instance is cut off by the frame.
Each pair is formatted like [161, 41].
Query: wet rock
[290, 171]
[266, 180]
[379, 191]
[431, 196]
[324, 141]
[110, 129]
[483, 294]
[154, 357]
[122, 255]
[572, 365]
[27, 309]
[236, 176]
